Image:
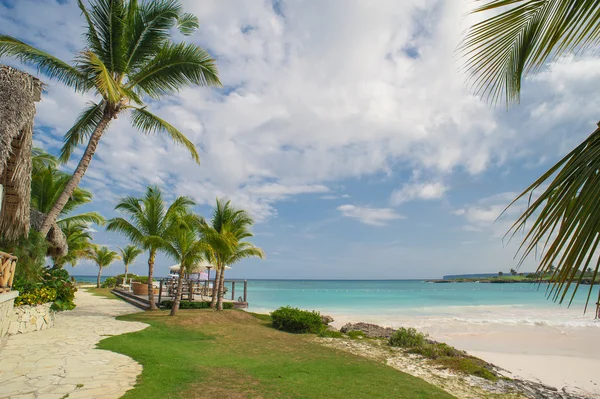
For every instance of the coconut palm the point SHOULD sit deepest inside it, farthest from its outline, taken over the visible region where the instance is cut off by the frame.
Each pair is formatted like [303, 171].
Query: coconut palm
[225, 234]
[128, 254]
[146, 224]
[128, 55]
[185, 246]
[103, 257]
[520, 37]
[79, 241]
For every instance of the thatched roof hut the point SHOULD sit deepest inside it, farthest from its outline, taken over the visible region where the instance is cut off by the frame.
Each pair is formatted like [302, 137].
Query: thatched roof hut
[19, 92]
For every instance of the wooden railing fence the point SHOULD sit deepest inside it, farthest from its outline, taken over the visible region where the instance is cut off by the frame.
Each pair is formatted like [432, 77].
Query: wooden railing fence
[8, 263]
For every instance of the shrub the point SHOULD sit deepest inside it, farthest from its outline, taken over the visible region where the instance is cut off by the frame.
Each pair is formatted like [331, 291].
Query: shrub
[356, 334]
[31, 252]
[407, 338]
[36, 296]
[110, 282]
[325, 333]
[59, 280]
[435, 350]
[297, 321]
[140, 279]
[468, 365]
[193, 305]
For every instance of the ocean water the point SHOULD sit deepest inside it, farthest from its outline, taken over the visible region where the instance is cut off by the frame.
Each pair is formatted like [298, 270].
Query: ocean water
[395, 301]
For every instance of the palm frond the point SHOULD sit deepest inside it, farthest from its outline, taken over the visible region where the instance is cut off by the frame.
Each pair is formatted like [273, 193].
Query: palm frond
[49, 65]
[129, 253]
[128, 229]
[92, 38]
[87, 218]
[40, 159]
[524, 36]
[176, 66]
[187, 24]
[108, 18]
[567, 220]
[102, 76]
[152, 124]
[82, 129]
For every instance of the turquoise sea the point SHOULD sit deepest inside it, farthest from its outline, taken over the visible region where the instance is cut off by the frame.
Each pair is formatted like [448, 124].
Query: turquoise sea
[401, 299]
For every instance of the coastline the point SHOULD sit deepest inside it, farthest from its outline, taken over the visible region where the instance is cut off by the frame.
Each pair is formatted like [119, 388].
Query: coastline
[556, 351]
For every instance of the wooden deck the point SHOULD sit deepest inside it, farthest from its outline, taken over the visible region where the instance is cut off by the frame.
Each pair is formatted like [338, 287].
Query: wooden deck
[194, 293]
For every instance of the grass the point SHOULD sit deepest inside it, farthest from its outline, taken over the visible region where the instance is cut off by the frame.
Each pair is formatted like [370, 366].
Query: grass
[233, 354]
[103, 292]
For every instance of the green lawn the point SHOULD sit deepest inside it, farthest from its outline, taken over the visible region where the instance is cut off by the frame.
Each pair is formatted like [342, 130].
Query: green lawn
[105, 292]
[204, 354]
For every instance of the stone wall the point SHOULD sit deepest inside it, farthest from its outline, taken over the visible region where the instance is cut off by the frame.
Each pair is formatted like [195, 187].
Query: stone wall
[28, 318]
[7, 301]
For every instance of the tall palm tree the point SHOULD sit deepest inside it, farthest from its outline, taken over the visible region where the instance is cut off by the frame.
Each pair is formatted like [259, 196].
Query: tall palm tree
[128, 55]
[103, 257]
[146, 224]
[185, 246]
[128, 254]
[79, 241]
[519, 38]
[225, 234]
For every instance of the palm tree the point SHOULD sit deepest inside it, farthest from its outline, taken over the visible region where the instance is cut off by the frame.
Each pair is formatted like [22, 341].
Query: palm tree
[103, 257]
[128, 55]
[500, 274]
[225, 235]
[146, 224]
[519, 38]
[128, 254]
[79, 241]
[513, 272]
[185, 246]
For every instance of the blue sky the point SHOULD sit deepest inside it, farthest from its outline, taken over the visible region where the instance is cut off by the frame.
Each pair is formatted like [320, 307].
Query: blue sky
[348, 131]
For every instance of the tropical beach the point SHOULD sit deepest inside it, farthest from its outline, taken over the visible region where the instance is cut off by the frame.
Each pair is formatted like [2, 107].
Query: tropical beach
[299, 199]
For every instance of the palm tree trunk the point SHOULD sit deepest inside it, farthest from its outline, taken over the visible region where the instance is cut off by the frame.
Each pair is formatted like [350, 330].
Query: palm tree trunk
[99, 274]
[125, 277]
[221, 292]
[79, 172]
[177, 299]
[213, 302]
[150, 285]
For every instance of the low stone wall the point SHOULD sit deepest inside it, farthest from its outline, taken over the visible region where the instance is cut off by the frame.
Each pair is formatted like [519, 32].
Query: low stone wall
[28, 318]
[7, 301]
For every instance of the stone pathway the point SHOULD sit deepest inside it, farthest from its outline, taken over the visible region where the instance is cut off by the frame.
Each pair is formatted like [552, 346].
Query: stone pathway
[61, 362]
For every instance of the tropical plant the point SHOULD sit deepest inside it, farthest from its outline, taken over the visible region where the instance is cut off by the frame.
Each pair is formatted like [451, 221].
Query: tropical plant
[79, 241]
[519, 38]
[128, 254]
[147, 220]
[129, 54]
[500, 274]
[184, 246]
[225, 234]
[102, 257]
[513, 272]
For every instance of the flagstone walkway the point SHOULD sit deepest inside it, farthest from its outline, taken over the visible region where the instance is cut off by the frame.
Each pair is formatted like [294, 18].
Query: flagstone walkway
[61, 362]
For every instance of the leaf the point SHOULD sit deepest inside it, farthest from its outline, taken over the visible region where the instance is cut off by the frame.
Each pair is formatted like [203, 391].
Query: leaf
[83, 128]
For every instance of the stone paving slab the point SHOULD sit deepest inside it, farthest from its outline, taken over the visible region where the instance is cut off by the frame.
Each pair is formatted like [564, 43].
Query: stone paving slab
[63, 360]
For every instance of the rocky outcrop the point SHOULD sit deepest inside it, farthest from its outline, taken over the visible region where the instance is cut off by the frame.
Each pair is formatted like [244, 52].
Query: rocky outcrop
[370, 330]
[326, 319]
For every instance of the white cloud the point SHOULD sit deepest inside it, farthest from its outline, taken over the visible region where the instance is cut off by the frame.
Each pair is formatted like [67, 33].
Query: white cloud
[416, 191]
[368, 215]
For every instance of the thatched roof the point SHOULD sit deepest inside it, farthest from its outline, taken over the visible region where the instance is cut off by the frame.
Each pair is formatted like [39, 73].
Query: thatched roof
[56, 238]
[19, 92]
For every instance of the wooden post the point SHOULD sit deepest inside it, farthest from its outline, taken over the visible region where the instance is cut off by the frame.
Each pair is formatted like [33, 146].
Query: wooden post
[233, 290]
[245, 290]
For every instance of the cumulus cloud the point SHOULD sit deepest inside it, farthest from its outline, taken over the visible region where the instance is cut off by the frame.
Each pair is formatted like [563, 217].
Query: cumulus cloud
[368, 215]
[415, 191]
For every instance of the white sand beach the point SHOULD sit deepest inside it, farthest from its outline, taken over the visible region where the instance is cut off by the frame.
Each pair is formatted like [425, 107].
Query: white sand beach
[554, 346]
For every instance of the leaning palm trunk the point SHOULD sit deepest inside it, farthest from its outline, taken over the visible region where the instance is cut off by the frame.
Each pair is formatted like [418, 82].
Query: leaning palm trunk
[150, 275]
[221, 291]
[84, 163]
[178, 293]
[213, 301]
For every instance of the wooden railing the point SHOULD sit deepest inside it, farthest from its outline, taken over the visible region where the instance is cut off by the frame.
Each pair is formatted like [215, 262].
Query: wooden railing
[8, 263]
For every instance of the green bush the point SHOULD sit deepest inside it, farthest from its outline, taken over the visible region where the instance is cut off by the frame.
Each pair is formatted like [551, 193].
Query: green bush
[193, 305]
[356, 334]
[109, 282]
[36, 296]
[113, 281]
[140, 279]
[296, 321]
[407, 338]
[59, 280]
[325, 333]
[468, 365]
